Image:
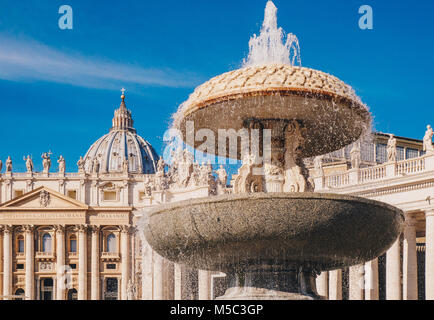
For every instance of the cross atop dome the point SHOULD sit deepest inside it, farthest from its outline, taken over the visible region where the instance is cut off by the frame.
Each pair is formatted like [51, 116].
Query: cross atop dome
[123, 93]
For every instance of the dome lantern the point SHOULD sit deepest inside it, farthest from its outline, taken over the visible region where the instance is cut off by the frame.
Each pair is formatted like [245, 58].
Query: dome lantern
[122, 144]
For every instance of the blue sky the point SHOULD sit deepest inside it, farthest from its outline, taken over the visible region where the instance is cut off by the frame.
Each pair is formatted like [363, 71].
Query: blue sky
[59, 88]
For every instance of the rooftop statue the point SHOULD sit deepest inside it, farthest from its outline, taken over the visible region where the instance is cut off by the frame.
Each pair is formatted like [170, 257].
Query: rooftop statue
[61, 163]
[29, 164]
[427, 140]
[46, 161]
[9, 164]
[391, 149]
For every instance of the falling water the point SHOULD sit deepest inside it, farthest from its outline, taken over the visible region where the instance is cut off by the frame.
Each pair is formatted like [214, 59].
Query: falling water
[270, 46]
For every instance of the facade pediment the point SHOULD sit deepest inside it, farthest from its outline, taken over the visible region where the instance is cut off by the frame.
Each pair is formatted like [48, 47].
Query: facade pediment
[43, 198]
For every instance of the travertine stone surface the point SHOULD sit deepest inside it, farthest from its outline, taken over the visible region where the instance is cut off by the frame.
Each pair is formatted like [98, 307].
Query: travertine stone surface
[232, 232]
[330, 110]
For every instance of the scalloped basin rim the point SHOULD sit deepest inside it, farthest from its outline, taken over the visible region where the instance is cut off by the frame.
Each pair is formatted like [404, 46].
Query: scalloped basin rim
[305, 195]
[327, 231]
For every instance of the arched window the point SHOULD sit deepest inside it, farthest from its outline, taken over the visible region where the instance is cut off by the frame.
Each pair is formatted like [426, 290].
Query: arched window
[111, 243]
[20, 244]
[46, 242]
[73, 243]
[19, 292]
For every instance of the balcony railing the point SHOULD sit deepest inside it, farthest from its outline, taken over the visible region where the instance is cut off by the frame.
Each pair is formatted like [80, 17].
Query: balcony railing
[376, 173]
[44, 255]
[110, 256]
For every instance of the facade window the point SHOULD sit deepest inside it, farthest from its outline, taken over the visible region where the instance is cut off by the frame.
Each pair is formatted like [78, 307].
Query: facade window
[20, 244]
[20, 266]
[381, 154]
[18, 193]
[111, 266]
[72, 244]
[111, 243]
[411, 153]
[400, 153]
[367, 152]
[110, 196]
[72, 194]
[73, 266]
[46, 242]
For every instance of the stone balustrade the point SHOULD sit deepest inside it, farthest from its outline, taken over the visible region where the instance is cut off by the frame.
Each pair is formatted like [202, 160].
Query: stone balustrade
[376, 173]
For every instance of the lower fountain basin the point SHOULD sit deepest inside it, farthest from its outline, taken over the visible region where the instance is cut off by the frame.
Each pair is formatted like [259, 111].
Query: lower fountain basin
[232, 233]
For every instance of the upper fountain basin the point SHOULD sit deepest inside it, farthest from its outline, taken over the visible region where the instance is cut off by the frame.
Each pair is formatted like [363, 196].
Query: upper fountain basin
[232, 232]
[330, 110]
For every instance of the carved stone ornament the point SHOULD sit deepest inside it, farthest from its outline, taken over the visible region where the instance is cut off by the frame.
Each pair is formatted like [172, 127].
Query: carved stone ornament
[44, 198]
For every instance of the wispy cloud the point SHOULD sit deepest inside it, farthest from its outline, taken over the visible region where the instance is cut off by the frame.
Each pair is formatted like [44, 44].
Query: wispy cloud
[32, 61]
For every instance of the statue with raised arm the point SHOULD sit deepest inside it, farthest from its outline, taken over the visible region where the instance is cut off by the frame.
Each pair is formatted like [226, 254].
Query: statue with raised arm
[46, 161]
[427, 140]
[61, 163]
[391, 149]
[29, 164]
[9, 164]
[80, 164]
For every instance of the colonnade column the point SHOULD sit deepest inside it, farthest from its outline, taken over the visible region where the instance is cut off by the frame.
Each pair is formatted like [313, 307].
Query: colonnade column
[7, 261]
[357, 283]
[94, 283]
[125, 256]
[393, 272]
[82, 262]
[204, 285]
[410, 260]
[372, 291]
[429, 260]
[60, 262]
[335, 285]
[158, 276]
[322, 284]
[30, 266]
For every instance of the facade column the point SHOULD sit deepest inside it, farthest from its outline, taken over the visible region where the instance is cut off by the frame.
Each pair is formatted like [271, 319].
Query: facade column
[357, 282]
[125, 256]
[1, 257]
[322, 284]
[158, 276]
[372, 291]
[94, 285]
[410, 260]
[204, 285]
[7, 262]
[178, 281]
[429, 260]
[335, 285]
[60, 262]
[30, 264]
[82, 262]
[147, 269]
[393, 272]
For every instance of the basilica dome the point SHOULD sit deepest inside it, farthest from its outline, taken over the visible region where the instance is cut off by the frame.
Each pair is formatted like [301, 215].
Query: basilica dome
[121, 146]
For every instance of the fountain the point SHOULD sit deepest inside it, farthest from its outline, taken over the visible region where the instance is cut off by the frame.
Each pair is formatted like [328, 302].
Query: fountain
[274, 235]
